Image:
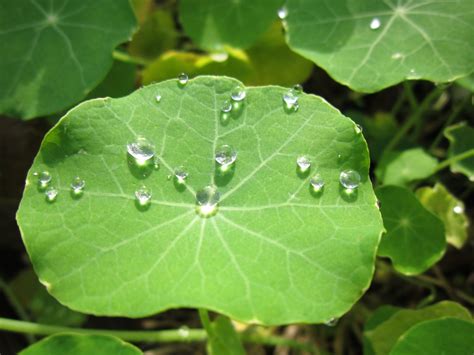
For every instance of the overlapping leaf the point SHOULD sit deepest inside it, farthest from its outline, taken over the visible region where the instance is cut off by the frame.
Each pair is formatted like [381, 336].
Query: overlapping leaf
[461, 138]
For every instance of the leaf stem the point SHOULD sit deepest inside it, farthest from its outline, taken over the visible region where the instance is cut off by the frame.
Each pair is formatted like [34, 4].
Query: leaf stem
[127, 58]
[410, 94]
[206, 322]
[414, 117]
[454, 159]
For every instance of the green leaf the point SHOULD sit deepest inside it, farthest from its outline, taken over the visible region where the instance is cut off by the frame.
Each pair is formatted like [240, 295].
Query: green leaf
[402, 167]
[461, 139]
[214, 24]
[120, 81]
[383, 337]
[55, 53]
[429, 40]
[449, 209]
[78, 344]
[415, 237]
[224, 340]
[437, 337]
[275, 252]
[467, 82]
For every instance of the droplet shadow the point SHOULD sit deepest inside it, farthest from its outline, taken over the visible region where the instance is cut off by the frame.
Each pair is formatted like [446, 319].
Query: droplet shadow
[223, 176]
[316, 193]
[179, 186]
[142, 171]
[302, 174]
[142, 207]
[348, 195]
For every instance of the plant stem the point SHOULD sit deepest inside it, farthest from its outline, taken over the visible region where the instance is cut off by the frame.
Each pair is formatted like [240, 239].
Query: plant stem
[127, 58]
[410, 95]
[414, 117]
[206, 322]
[454, 159]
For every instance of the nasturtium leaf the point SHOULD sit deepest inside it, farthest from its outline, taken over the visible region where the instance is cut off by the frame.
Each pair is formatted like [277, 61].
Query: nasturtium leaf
[382, 314]
[274, 252]
[370, 45]
[224, 340]
[80, 344]
[415, 238]
[55, 52]
[213, 24]
[120, 81]
[449, 209]
[402, 167]
[461, 140]
[467, 82]
[437, 337]
[383, 337]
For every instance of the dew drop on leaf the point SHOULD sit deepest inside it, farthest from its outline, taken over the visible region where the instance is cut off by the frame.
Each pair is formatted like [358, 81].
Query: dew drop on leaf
[51, 194]
[226, 106]
[142, 151]
[290, 98]
[238, 94]
[375, 23]
[207, 200]
[350, 179]
[458, 209]
[44, 178]
[183, 331]
[158, 98]
[303, 162]
[317, 182]
[298, 88]
[225, 155]
[358, 129]
[183, 79]
[282, 12]
[180, 174]
[77, 185]
[143, 195]
[331, 322]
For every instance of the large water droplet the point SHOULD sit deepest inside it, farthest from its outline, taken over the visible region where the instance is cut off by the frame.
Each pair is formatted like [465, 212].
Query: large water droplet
[350, 179]
[143, 196]
[51, 194]
[282, 13]
[225, 156]
[317, 182]
[226, 106]
[375, 23]
[207, 200]
[303, 162]
[183, 79]
[290, 98]
[44, 178]
[77, 185]
[238, 94]
[180, 174]
[142, 151]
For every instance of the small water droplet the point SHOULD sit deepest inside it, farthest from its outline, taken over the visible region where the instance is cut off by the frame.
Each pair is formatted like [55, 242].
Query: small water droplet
[143, 195]
[158, 98]
[378, 204]
[317, 182]
[303, 162]
[183, 331]
[298, 88]
[375, 23]
[225, 156]
[180, 174]
[44, 178]
[282, 13]
[358, 129]
[238, 94]
[290, 98]
[350, 179]
[183, 79]
[51, 194]
[78, 185]
[226, 106]
[207, 200]
[142, 151]
[397, 55]
[156, 163]
[331, 322]
[458, 209]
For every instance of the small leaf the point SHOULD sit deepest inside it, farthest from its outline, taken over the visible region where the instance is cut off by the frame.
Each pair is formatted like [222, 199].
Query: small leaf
[449, 209]
[461, 138]
[439, 336]
[214, 24]
[402, 167]
[415, 237]
[78, 344]
[109, 251]
[371, 45]
[383, 337]
[224, 340]
[55, 53]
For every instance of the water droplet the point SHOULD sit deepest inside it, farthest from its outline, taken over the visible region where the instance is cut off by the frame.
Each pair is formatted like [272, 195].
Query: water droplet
[143, 195]
[227, 106]
[397, 55]
[303, 162]
[317, 182]
[375, 23]
[77, 185]
[183, 331]
[158, 98]
[180, 174]
[51, 194]
[290, 98]
[331, 322]
[350, 179]
[142, 151]
[220, 56]
[282, 12]
[238, 94]
[298, 88]
[156, 164]
[458, 209]
[183, 79]
[44, 178]
[358, 129]
[225, 155]
[207, 200]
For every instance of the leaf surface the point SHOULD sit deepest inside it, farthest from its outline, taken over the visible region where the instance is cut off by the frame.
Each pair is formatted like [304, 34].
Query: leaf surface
[224, 340]
[461, 139]
[275, 252]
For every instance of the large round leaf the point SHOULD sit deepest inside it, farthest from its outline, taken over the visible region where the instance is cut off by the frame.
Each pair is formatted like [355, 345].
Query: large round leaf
[56, 51]
[275, 251]
[371, 44]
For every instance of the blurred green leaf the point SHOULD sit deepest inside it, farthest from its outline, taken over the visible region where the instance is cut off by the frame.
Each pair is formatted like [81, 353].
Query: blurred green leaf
[449, 209]
[402, 167]
[370, 45]
[437, 337]
[383, 337]
[142, 9]
[79, 344]
[467, 82]
[378, 130]
[382, 314]
[461, 139]
[224, 340]
[415, 239]
[120, 81]
[212, 25]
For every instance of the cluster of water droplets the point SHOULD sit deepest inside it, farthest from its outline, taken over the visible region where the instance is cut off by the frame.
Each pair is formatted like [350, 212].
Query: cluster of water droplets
[51, 192]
